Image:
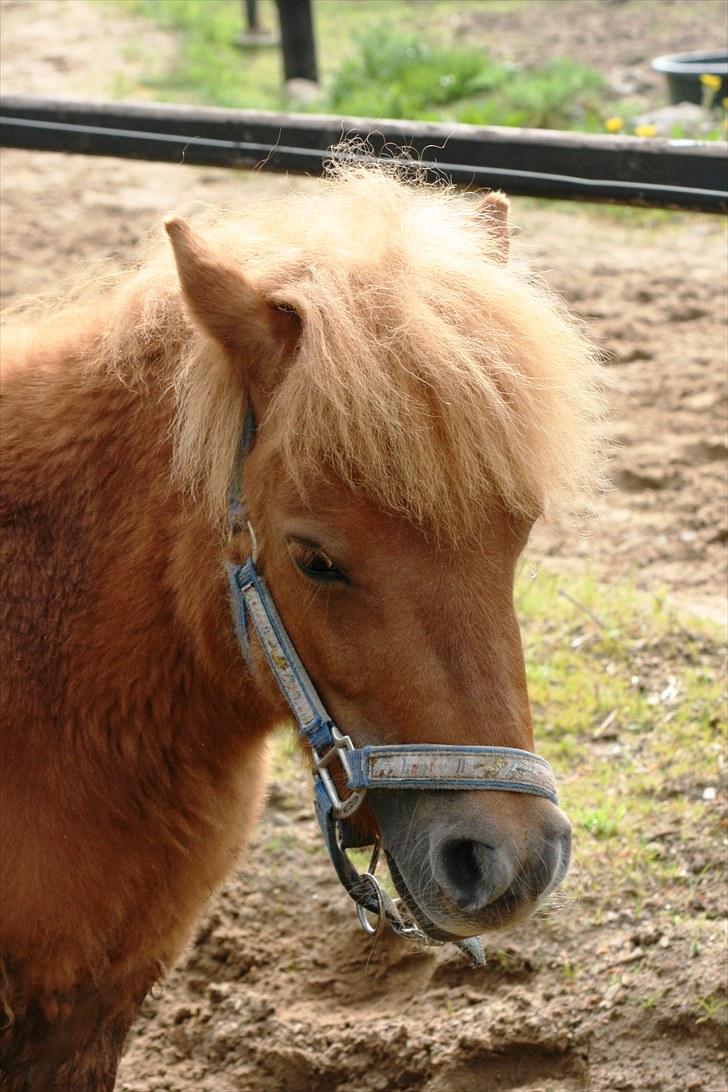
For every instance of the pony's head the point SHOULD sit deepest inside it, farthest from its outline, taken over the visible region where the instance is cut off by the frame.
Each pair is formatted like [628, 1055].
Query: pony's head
[418, 403]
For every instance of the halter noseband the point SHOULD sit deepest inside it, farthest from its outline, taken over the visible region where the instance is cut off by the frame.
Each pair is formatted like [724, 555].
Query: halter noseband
[401, 766]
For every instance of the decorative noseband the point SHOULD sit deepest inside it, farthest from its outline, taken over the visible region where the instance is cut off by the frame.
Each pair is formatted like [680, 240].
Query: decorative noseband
[401, 766]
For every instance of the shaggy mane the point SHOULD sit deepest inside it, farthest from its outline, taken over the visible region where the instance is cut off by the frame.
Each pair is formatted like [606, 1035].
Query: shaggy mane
[428, 374]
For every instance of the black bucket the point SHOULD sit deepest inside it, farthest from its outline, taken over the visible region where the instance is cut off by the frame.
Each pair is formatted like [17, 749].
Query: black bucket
[683, 72]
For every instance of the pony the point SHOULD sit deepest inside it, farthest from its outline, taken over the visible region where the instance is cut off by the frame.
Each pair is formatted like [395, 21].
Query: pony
[419, 401]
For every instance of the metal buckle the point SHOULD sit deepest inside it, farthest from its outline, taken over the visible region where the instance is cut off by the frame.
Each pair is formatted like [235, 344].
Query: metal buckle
[341, 809]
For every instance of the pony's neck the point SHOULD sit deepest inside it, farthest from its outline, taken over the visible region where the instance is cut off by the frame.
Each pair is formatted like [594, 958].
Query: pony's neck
[137, 563]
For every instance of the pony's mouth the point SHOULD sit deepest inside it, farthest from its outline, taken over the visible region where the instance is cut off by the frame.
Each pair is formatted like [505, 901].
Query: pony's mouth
[425, 923]
[454, 923]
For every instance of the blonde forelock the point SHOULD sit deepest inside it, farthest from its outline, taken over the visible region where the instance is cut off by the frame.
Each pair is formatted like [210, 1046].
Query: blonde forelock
[429, 375]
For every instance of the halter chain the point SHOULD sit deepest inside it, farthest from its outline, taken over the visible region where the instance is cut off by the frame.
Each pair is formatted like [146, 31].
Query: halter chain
[400, 766]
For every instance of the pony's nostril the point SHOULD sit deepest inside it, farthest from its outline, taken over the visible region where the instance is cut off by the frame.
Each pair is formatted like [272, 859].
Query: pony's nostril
[463, 872]
[473, 874]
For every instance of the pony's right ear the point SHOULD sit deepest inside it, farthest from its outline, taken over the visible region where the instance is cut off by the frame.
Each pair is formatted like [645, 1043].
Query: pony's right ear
[229, 308]
[494, 210]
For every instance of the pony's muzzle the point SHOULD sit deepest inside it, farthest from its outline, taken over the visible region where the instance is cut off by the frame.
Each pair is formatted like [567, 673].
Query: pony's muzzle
[473, 861]
[477, 874]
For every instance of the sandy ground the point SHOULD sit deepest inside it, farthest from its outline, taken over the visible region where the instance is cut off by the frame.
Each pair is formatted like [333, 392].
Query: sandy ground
[280, 990]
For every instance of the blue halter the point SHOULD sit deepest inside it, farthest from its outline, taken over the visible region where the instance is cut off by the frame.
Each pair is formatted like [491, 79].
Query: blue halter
[405, 766]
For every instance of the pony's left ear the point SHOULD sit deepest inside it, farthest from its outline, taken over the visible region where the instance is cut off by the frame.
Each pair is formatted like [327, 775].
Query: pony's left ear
[494, 209]
[221, 299]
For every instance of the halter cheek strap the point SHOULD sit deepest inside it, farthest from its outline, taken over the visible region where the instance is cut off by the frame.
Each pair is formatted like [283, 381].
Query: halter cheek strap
[402, 766]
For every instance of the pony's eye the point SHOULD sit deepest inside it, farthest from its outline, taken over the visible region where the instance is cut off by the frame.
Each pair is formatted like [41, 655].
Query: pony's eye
[314, 562]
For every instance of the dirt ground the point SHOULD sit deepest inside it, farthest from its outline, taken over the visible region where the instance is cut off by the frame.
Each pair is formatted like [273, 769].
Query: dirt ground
[280, 992]
[618, 38]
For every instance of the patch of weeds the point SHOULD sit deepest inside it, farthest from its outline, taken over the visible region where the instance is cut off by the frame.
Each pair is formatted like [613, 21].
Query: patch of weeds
[558, 95]
[709, 1007]
[511, 962]
[403, 76]
[603, 822]
[503, 958]
[281, 841]
[628, 702]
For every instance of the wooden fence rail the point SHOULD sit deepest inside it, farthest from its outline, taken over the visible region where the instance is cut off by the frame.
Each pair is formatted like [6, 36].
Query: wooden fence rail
[542, 163]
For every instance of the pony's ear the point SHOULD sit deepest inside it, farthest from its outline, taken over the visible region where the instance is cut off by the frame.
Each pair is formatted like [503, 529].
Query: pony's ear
[494, 209]
[256, 332]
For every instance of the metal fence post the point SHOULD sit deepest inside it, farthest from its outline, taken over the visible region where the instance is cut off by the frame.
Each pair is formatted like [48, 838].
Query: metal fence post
[255, 33]
[297, 40]
[251, 16]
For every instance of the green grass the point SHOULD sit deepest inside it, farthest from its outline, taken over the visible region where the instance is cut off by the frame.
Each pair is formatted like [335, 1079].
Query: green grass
[558, 95]
[402, 76]
[372, 64]
[629, 704]
[207, 67]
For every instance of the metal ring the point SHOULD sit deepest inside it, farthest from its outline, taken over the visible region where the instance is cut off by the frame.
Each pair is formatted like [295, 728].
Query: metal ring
[372, 930]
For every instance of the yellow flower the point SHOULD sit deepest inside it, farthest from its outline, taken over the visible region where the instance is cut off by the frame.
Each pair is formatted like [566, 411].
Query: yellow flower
[645, 130]
[724, 103]
[709, 79]
[613, 125]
